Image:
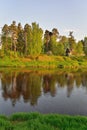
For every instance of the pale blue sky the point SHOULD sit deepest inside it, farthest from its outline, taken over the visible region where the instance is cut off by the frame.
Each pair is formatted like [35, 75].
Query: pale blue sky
[65, 15]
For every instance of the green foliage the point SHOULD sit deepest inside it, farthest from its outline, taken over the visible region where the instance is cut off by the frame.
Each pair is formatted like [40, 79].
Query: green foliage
[13, 60]
[20, 44]
[53, 45]
[36, 121]
[2, 53]
[5, 124]
[27, 40]
[50, 41]
[35, 46]
[27, 34]
[24, 116]
[72, 42]
[85, 45]
[79, 48]
[60, 49]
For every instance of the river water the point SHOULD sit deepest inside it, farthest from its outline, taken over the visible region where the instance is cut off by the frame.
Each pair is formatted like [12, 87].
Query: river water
[43, 91]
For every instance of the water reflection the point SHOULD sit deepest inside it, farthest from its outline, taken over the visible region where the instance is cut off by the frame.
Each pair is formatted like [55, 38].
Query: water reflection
[32, 85]
[16, 85]
[49, 82]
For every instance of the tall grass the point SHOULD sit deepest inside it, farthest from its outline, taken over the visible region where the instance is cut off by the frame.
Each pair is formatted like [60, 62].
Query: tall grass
[37, 121]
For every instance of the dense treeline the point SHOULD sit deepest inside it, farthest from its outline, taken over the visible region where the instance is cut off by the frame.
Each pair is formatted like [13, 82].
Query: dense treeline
[30, 40]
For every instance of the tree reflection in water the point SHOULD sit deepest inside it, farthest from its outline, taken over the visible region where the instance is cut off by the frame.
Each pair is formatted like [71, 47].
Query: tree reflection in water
[69, 83]
[30, 85]
[49, 82]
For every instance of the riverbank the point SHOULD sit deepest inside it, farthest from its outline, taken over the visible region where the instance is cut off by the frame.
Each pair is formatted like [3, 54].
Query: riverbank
[37, 121]
[45, 61]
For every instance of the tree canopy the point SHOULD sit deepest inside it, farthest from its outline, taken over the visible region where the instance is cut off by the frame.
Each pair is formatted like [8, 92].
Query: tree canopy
[30, 40]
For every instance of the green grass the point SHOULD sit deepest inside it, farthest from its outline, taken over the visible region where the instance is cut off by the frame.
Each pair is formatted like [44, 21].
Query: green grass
[45, 61]
[37, 121]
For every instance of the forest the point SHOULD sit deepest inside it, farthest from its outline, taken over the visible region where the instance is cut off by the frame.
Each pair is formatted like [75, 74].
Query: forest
[32, 40]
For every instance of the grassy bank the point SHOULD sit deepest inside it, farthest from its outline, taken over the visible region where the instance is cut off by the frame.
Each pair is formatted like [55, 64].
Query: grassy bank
[45, 61]
[36, 121]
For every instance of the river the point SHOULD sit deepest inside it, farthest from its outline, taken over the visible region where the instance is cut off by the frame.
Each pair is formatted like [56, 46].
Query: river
[43, 91]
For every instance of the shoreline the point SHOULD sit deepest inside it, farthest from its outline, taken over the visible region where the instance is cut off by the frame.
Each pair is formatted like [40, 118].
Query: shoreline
[45, 62]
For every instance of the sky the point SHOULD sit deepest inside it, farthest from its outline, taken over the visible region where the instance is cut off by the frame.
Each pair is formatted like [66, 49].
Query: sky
[65, 15]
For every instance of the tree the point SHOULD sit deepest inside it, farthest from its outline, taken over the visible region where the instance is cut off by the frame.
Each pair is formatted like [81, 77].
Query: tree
[53, 45]
[57, 48]
[79, 48]
[64, 40]
[20, 39]
[85, 45]
[47, 37]
[55, 33]
[5, 32]
[19, 27]
[27, 38]
[60, 49]
[13, 31]
[50, 40]
[72, 43]
[35, 46]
